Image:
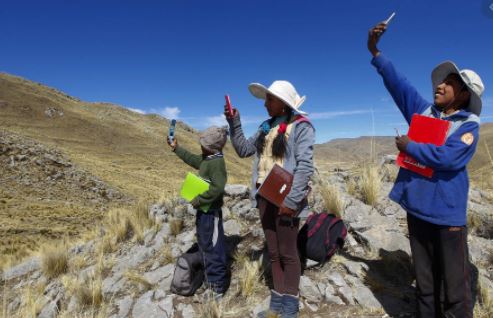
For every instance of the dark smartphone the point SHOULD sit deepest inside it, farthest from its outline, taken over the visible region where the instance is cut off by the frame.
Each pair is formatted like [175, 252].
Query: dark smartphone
[171, 132]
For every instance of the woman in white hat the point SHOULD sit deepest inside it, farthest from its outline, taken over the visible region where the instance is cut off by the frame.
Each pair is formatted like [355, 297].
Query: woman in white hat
[436, 207]
[286, 139]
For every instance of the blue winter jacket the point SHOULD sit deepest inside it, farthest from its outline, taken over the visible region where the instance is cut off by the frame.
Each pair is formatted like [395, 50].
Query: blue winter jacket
[441, 199]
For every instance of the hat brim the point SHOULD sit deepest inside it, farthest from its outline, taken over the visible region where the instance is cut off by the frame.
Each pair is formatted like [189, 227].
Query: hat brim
[260, 91]
[441, 71]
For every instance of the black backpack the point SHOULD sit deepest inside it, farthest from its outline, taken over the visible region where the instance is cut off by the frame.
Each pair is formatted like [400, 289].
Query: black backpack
[320, 237]
[189, 272]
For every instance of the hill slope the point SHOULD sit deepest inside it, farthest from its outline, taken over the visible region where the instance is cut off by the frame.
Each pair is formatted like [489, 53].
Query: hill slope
[124, 150]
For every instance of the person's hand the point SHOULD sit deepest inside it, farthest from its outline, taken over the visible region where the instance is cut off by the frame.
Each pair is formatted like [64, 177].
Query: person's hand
[401, 142]
[236, 113]
[284, 210]
[173, 144]
[195, 203]
[374, 36]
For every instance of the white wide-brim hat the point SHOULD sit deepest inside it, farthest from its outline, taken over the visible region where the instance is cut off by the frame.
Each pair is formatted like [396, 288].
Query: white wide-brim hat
[470, 78]
[283, 90]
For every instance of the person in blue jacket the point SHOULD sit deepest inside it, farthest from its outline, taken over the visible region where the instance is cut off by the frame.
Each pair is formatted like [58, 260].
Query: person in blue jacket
[436, 207]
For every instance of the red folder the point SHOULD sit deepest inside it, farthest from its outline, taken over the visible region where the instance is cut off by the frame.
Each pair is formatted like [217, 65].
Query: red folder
[427, 130]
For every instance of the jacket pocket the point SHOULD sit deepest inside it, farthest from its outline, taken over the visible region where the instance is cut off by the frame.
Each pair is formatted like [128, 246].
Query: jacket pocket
[448, 198]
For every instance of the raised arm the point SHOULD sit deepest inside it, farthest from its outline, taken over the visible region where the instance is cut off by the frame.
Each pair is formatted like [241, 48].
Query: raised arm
[243, 147]
[403, 93]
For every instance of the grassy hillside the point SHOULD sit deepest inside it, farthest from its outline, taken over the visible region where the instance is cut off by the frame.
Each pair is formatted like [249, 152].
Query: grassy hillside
[123, 149]
[350, 152]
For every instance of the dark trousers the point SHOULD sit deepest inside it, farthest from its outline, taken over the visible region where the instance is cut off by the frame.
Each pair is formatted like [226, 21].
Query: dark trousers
[281, 236]
[441, 263]
[210, 237]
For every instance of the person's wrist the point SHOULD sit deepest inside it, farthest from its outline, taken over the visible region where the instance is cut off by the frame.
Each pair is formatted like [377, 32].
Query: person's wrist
[375, 52]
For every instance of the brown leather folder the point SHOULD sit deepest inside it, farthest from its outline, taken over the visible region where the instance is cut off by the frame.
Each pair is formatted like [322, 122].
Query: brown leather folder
[276, 185]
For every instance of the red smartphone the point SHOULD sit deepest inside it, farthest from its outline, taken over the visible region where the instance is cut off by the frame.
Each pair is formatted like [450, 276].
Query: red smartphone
[228, 104]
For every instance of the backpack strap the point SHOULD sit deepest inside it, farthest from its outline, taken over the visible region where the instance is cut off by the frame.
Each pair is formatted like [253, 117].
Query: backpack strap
[331, 224]
[321, 218]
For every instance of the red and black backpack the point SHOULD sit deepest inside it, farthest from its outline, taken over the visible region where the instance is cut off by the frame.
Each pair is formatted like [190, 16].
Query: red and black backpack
[320, 237]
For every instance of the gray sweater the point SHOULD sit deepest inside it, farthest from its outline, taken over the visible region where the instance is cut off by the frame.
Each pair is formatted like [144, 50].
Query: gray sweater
[298, 158]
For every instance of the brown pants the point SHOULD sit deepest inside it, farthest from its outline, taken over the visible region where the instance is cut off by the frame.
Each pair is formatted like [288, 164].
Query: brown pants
[281, 236]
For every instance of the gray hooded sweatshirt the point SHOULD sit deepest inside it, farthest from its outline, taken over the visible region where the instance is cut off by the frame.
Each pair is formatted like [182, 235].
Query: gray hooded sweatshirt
[298, 159]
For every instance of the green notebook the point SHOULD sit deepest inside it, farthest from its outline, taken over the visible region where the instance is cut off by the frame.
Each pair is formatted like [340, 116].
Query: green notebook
[192, 187]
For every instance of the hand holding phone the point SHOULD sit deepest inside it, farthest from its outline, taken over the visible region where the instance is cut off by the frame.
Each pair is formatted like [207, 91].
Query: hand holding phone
[171, 132]
[386, 22]
[229, 107]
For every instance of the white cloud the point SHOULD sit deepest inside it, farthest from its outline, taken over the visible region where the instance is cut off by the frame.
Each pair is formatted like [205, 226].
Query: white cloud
[170, 112]
[218, 120]
[136, 110]
[329, 115]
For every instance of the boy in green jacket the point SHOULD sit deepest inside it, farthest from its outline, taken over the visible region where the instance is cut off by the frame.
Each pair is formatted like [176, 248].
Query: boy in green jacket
[209, 225]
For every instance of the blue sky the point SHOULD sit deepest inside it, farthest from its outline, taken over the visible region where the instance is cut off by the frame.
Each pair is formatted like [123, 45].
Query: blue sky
[179, 58]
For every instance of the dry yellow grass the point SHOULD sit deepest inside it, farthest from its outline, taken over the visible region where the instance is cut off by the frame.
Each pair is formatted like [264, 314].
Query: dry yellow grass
[167, 254]
[138, 280]
[333, 202]
[250, 278]
[88, 292]
[175, 225]
[371, 184]
[124, 149]
[484, 307]
[54, 260]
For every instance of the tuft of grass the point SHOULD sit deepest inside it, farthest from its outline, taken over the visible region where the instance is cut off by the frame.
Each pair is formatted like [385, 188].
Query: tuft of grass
[333, 202]
[31, 304]
[117, 224]
[484, 307]
[351, 187]
[77, 263]
[175, 225]
[54, 260]
[138, 280]
[89, 293]
[371, 184]
[140, 221]
[250, 276]
[167, 255]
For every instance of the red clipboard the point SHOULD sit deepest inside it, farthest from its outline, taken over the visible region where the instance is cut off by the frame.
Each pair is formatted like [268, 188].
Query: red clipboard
[427, 130]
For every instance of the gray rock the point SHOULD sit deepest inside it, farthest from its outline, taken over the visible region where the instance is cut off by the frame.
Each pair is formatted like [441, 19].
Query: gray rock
[346, 293]
[186, 237]
[165, 284]
[22, 269]
[242, 207]
[14, 305]
[113, 284]
[124, 305]
[159, 294]
[187, 311]
[159, 274]
[336, 279]
[49, 311]
[157, 210]
[146, 307]
[226, 213]
[365, 297]
[232, 227]
[380, 237]
[257, 232]
[357, 269]
[309, 290]
[236, 190]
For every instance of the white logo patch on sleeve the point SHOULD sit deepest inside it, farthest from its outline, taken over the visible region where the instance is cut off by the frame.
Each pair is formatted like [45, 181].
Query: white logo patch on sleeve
[467, 138]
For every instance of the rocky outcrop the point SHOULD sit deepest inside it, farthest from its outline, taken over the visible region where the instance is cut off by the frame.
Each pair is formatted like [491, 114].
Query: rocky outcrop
[373, 273]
